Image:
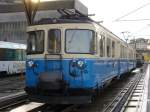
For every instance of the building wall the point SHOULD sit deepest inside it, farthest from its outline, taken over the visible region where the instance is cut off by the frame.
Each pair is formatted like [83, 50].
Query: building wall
[13, 25]
[139, 44]
[13, 31]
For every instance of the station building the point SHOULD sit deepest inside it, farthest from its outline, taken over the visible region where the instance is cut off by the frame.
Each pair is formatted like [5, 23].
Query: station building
[139, 44]
[13, 22]
[142, 46]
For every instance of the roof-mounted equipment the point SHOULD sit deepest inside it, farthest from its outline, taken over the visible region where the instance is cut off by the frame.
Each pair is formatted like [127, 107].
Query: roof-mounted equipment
[67, 8]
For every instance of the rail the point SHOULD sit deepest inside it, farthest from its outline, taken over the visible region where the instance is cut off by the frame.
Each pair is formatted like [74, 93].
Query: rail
[117, 104]
[136, 101]
[12, 100]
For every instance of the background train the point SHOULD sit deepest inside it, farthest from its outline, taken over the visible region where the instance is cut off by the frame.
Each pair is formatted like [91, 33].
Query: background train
[69, 59]
[12, 58]
[139, 59]
[147, 57]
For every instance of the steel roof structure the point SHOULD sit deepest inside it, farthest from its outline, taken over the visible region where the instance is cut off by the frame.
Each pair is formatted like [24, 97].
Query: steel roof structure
[10, 6]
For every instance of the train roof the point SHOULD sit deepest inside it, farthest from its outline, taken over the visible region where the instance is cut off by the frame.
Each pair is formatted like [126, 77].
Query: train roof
[74, 16]
[72, 11]
[83, 19]
[45, 21]
[11, 45]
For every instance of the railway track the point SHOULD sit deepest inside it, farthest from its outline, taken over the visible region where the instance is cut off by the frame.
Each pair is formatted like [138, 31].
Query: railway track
[12, 100]
[137, 99]
[109, 103]
[11, 84]
[117, 104]
[11, 80]
[112, 99]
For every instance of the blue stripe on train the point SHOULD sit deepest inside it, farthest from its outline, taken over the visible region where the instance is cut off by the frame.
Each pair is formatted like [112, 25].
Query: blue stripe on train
[95, 72]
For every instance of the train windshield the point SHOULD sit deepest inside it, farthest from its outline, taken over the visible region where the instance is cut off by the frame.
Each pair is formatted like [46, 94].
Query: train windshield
[54, 41]
[35, 42]
[79, 41]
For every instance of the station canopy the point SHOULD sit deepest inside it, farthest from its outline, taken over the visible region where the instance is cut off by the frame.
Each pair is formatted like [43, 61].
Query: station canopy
[48, 5]
[32, 8]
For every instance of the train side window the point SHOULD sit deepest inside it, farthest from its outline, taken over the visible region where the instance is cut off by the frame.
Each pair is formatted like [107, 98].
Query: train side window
[124, 52]
[108, 47]
[113, 49]
[121, 51]
[54, 41]
[2, 56]
[10, 54]
[130, 55]
[102, 46]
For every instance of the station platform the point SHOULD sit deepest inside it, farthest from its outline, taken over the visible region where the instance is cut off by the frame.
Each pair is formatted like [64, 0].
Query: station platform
[147, 91]
[139, 99]
[143, 104]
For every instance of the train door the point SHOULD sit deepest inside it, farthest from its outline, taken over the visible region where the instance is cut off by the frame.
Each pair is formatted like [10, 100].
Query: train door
[53, 45]
[102, 63]
[53, 60]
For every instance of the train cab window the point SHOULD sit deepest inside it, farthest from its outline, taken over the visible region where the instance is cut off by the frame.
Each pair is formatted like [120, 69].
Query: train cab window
[79, 41]
[35, 42]
[102, 46]
[113, 49]
[54, 41]
[108, 47]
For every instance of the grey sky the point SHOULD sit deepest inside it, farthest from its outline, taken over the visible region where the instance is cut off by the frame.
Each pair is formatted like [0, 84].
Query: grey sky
[110, 10]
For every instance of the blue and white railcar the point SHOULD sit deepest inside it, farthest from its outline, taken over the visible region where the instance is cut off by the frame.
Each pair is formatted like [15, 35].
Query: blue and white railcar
[67, 61]
[12, 58]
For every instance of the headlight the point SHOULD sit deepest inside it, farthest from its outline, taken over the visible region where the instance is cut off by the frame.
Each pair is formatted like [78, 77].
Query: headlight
[30, 63]
[80, 63]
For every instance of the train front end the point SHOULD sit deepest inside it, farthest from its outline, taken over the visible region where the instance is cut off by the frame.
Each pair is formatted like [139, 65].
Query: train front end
[59, 63]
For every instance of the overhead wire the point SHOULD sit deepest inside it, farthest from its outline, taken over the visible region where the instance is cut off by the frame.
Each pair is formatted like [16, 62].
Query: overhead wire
[140, 30]
[134, 20]
[133, 11]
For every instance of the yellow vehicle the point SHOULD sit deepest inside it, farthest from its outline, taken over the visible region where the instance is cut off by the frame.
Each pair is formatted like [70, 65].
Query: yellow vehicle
[147, 57]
